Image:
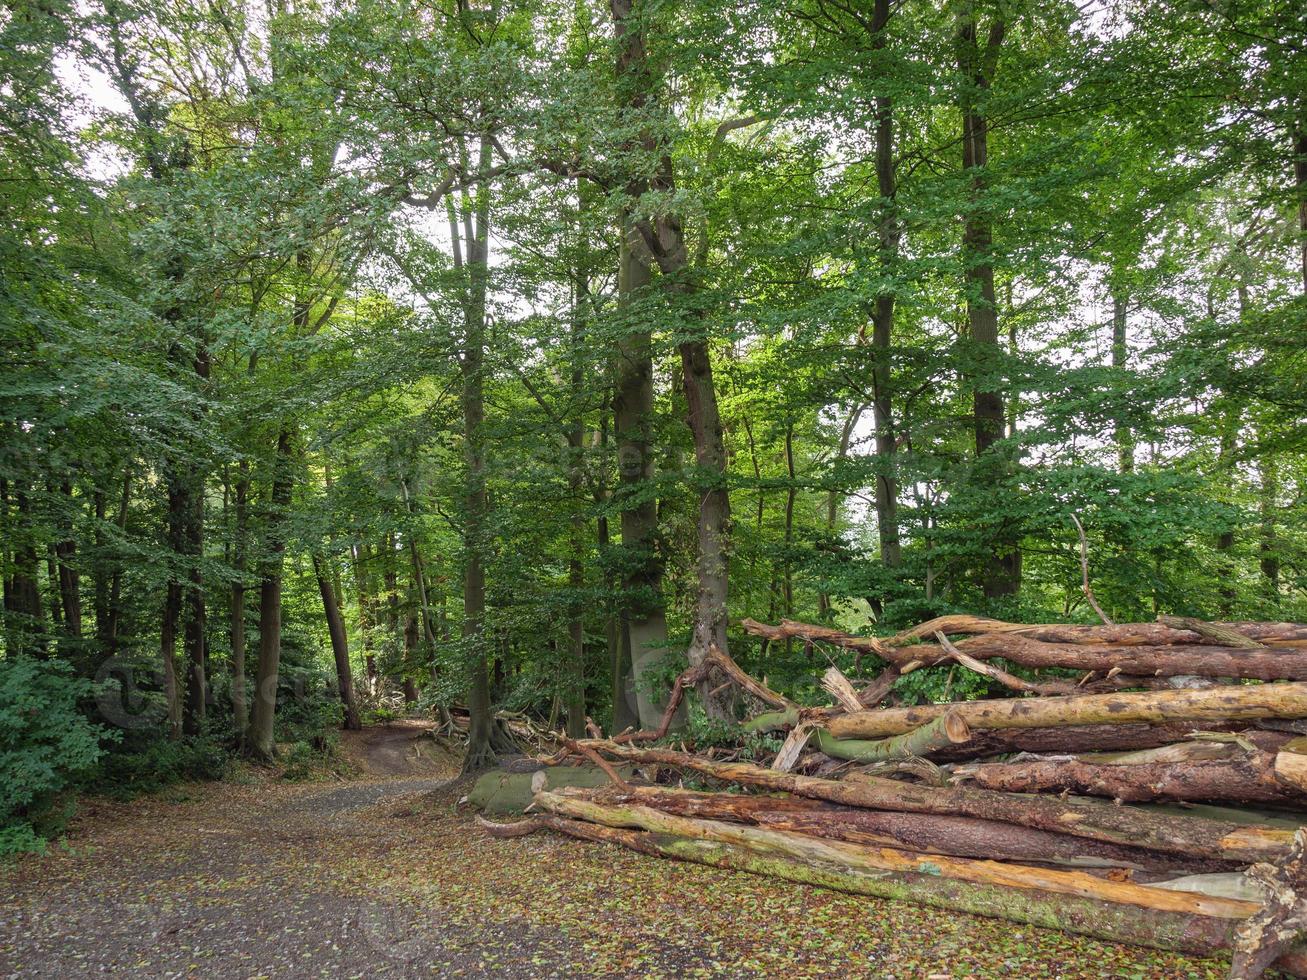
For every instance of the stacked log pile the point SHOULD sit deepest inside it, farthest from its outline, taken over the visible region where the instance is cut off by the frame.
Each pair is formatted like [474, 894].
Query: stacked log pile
[1150, 790]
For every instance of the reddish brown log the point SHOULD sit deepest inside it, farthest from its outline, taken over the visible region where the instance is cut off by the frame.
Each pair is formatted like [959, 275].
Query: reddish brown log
[1242, 778]
[1191, 836]
[957, 836]
[1229, 702]
[1279, 662]
[1125, 634]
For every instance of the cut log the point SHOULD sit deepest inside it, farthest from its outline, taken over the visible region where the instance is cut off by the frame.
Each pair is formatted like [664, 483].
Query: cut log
[1282, 661]
[947, 729]
[1194, 935]
[1078, 740]
[1281, 920]
[1228, 703]
[1124, 634]
[957, 836]
[1244, 777]
[1079, 818]
[812, 850]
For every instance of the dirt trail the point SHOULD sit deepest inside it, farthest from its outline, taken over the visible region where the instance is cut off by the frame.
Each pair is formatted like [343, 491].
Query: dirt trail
[385, 876]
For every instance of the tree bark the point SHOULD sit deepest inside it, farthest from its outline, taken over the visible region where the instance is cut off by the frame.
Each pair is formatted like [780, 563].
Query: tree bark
[476, 223]
[643, 626]
[239, 706]
[665, 240]
[888, 236]
[1125, 441]
[1001, 575]
[1226, 703]
[339, 645]
[260, 740]
[1288, 662]
[1244, 777]
[1188, 836]
[808, 849]
[1197, 935]
[927, 833]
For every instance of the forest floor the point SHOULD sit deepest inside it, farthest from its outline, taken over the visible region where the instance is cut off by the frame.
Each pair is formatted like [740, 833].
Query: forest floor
[384, 875]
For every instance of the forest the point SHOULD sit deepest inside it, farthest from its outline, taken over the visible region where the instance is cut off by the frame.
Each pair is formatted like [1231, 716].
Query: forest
[491, 363]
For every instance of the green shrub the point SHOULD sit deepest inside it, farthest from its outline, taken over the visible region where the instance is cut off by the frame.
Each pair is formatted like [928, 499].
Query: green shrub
[46, 743]
[146, 762]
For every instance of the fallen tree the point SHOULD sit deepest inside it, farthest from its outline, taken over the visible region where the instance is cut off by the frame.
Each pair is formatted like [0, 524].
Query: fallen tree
[1189, 836]
[1225, 703]
[927, 833]
[1284, 661]
[1160, 928]
[1240, 777]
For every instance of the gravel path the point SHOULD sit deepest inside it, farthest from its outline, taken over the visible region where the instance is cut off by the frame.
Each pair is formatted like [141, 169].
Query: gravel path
[387, 877]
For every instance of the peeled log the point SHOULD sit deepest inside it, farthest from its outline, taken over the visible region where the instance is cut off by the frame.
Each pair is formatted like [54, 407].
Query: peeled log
[948, 729]
[1190, 836]
[1195, 935]
[1242, 778]
[1227, 703]
[958, 836]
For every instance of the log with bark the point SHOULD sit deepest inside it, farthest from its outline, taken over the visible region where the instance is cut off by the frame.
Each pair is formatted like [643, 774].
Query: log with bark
[957, 836]
[1225, 703]
[1113, 922]
[1188, 836]
[1285, 659]
[1239, 777]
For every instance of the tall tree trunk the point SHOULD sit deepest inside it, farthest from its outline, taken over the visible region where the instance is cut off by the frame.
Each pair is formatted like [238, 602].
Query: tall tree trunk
[1300, 178]
[664, 239]
[70, 593]
[339, 644]
[1267, 505]
[1002, 572]
[261, 742]
[178, 506]
[714, 513]
[1125, 440]
[643, 624]
[1226, 590]
[363, 586]
[888, 235]
[112, 626]
[239, 707]
[575, 668]
[476, 224]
